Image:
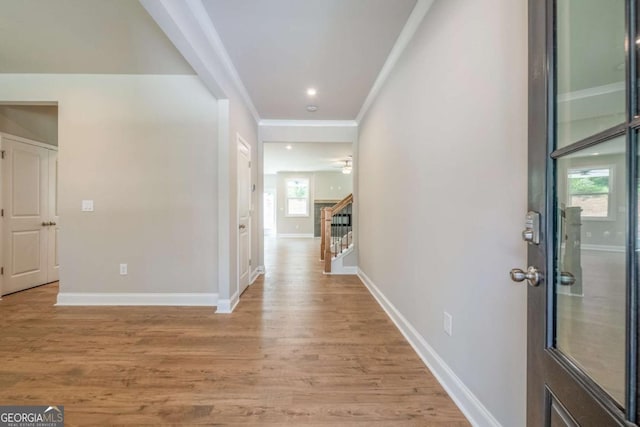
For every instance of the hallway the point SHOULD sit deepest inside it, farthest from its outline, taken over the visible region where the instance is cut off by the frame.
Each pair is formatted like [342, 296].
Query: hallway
[302, 348]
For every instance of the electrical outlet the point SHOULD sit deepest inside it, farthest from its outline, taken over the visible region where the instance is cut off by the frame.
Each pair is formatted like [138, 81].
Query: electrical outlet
[123, 269]
[448, 324]
[87, 206]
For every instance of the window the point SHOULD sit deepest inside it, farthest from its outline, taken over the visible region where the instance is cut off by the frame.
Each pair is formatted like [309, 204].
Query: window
[590, 189]
[297, 197]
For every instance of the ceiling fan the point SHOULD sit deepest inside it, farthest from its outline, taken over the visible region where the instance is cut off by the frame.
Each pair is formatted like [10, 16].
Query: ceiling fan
[346, 165]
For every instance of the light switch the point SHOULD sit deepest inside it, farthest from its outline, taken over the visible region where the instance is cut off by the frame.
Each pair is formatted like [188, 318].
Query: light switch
[87, 206]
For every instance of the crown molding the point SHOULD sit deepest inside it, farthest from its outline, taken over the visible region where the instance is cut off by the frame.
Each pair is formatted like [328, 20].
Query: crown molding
[188, 26]
[408, 31]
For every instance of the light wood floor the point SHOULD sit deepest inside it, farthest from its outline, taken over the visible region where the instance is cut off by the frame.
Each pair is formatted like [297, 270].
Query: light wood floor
[301, 349]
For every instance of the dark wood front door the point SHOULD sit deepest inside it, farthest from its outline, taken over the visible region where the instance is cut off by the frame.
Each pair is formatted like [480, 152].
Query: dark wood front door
[583, 188]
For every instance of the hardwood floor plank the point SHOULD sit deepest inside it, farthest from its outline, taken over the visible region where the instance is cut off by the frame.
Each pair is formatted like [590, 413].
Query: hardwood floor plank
[302, 348]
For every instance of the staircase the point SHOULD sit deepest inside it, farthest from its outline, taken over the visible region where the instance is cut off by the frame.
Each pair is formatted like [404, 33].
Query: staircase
[337, 231]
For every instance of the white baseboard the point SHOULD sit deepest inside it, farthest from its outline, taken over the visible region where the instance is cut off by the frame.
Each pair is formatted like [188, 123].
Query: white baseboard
[226, 306]
[468, 403]
[342, 270]
[256, 273]
[175, 299]
[295, 236]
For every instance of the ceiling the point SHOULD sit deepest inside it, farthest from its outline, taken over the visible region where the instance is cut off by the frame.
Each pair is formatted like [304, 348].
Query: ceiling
[84, 36]
[305, 156]
[282, 47]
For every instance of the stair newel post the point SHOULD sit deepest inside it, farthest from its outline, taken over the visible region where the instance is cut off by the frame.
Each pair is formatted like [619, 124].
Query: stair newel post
[328, 218]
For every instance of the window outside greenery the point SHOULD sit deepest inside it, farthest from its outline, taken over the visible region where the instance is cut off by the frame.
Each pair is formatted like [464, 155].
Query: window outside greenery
[590, 189]
[297, 197]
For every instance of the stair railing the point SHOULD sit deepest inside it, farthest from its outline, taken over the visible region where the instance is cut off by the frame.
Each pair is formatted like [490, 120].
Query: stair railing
[336, 235]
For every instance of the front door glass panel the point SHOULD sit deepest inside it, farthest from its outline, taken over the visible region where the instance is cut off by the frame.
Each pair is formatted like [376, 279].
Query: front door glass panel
[590, 40]
[590, 282]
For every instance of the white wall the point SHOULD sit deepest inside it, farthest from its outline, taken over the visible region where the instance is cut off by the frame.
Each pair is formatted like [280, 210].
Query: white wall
[39, 123]
[270, 182]
[242, 123]
[332, 185]
[144, 149]
[449, 128]
[308, 131]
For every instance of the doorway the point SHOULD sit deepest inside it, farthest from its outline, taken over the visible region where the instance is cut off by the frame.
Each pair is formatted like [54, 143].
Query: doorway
[30, 216]
[29, 195]
[582, 224]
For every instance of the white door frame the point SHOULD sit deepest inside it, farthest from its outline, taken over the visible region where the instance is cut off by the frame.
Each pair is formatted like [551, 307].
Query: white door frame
[242, 145]
[24, 141]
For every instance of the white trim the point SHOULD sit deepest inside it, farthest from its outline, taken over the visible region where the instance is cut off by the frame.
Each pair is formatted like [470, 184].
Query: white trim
[342, 270]
[224, 202]
[468, 403]
[244, 147]
[308, 123]
[175, 21]
[138, 299]
[206, 25]
[413, 22]
[32, 103]
[29, 141]
[603, 248]
[295, 236]
[255, 274]
[188, 26]
[592, 92]
[226, 306]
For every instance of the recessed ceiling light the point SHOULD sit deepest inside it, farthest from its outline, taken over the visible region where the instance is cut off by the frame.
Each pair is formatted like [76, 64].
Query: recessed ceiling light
[312, 108]
[311, 92]
[288, 147]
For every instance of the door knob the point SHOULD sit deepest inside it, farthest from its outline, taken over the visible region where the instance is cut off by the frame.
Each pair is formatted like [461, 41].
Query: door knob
[532, 275]
[45, 224]
[567, 279]
[242, 226]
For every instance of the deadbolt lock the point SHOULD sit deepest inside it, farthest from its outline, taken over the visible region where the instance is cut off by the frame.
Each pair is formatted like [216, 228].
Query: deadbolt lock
[531, 233]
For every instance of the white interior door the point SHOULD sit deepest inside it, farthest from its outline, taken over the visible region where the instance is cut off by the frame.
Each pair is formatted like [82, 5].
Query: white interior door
[53, 266]
[25, 202]
[244, 214]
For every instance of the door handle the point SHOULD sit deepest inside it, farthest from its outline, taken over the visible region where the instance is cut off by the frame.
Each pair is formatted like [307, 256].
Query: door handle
[567, 279]
[532, 276]
[242, 227]
[45, 224]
